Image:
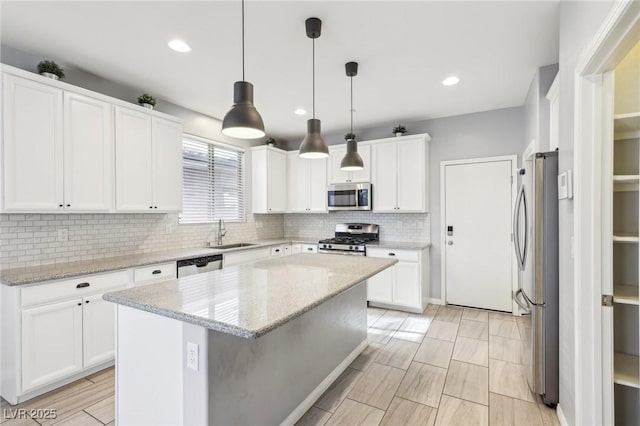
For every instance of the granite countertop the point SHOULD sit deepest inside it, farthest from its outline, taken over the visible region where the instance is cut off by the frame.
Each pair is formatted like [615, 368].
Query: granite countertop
[250, 300]
[399, 245]
[57, 271]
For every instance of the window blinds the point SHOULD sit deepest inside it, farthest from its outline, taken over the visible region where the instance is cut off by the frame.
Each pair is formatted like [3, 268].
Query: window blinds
[213, 185]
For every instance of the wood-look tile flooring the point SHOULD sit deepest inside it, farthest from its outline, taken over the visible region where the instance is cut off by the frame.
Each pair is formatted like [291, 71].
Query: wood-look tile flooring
[85, 402]
[448, 366]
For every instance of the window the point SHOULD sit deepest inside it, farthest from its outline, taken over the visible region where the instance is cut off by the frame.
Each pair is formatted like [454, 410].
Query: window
[213, 185]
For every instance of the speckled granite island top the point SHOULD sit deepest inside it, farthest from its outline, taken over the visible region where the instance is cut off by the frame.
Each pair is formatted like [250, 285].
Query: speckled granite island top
[251, 300]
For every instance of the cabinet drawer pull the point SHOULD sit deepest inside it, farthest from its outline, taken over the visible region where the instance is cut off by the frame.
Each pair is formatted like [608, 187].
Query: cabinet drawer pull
[277, 250]
[61, 205]
[68, 205]
[392, 254]
[83, 285]
[156, 272]
[309, 249]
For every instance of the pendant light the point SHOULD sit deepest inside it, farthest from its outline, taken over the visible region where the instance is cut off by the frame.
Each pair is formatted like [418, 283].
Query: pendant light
[313, 146]
[352, 160]
[243, 121]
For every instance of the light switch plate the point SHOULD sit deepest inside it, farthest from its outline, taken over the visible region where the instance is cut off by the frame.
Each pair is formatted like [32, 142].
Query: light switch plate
[192, 356]
[565, 185]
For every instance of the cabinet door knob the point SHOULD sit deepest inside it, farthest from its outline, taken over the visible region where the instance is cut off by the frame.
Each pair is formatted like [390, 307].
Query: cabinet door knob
[87, 301]
[450, 243]
[68, 205]
[80, 304]
[150, 207]
[61, 205]
[155, 207]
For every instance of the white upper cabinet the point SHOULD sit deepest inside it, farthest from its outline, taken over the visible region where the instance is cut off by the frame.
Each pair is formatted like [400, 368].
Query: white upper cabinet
[307, 184]
[268, 180]
[88, 154]
[33, 146]
[67, 149]
[148, 163]
[133, 161]
[337, 153]
[167, 164]
[400, 174]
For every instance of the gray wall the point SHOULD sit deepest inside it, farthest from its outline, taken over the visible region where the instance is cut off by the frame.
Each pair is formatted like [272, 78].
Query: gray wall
[579, 22]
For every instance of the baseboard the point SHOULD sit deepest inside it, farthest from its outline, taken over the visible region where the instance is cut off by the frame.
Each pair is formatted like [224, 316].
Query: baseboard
[436, 301]
[395, 307]
[62, 382]
[561, 418]
[323, 386]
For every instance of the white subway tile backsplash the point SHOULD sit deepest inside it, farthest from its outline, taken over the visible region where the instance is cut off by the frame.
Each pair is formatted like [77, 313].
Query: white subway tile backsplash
[31, 240]
[406, 227]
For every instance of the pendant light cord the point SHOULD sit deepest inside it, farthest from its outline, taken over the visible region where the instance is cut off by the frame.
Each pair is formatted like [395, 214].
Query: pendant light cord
[243, 40]
[351, 78]
[313, 74]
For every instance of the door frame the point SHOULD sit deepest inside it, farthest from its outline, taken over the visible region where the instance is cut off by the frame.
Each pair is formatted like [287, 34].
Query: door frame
[443, 199]
[619, 32]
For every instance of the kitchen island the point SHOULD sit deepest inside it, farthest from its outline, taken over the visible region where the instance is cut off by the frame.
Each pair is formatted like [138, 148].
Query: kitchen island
[253, 344]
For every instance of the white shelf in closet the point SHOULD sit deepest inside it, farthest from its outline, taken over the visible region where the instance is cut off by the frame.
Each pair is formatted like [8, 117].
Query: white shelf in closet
[625, 294]
[626, 126]
[626, 238]
[626, 183]
[626, 369]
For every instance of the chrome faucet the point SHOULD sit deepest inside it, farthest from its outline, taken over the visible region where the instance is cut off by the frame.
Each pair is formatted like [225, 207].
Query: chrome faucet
[222, 231]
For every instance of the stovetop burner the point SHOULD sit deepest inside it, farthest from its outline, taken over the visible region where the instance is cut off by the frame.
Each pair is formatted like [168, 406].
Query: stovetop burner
[344, 240]
[350, 238]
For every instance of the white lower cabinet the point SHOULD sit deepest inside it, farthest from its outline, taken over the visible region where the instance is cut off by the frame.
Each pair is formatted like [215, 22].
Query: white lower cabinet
[98, 330]
[54, 332]
[303, 248]
[51, 342]
[405, 285]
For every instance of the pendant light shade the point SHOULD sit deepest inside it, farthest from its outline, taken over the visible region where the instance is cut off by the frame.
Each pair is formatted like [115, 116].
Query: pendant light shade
[313, 145]
[243, 121]
[352, 160]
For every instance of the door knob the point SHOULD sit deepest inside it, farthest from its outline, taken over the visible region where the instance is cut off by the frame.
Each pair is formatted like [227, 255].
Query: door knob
[450, 243]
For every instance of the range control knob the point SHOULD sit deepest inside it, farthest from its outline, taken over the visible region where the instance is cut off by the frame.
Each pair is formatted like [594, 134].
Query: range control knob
[329, 246]
[350, 247]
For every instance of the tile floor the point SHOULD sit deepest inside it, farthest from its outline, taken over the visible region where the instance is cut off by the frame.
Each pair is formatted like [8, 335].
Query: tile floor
[85, 402]
[448, 366]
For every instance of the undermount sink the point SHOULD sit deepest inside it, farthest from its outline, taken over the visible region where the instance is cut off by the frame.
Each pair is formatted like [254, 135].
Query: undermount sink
[232, 246]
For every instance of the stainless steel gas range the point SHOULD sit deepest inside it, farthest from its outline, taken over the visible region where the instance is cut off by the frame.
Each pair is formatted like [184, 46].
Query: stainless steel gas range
[350, 238]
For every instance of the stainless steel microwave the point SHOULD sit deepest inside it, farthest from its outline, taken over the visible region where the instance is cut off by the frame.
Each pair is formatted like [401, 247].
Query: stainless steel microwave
[349, 196]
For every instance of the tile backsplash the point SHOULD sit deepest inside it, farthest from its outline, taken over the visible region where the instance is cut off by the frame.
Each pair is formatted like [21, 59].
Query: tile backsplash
[407, 227]
[31, 239]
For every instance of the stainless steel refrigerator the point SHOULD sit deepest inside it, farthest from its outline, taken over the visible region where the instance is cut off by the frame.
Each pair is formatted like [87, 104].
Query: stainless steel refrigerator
[538, 297]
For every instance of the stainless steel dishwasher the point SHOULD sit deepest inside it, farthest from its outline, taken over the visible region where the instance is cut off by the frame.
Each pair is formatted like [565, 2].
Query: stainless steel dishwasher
[198, 265]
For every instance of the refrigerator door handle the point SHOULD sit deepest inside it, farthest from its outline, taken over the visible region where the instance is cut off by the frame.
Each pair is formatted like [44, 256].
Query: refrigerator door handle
[520, 254]
[520, 302]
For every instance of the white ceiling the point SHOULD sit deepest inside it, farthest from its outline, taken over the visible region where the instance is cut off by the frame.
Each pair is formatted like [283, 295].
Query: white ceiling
[405, 49]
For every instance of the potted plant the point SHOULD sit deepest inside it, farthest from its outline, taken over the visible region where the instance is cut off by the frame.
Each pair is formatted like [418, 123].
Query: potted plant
[350, 136]
[399, 130]
[50, 69]
[147, 101]
[272, 141]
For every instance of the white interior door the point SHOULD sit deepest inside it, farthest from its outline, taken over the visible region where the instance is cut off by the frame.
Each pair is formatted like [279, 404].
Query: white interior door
[477, 243]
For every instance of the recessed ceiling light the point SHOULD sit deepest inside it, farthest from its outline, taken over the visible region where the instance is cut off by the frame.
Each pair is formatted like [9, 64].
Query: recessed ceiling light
[300, 111]
[179, 46]
[451, 80]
